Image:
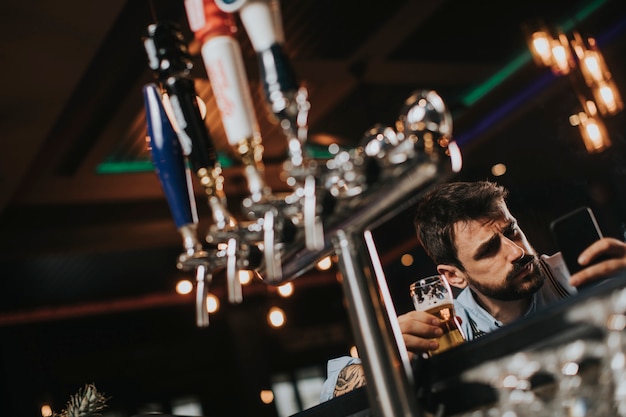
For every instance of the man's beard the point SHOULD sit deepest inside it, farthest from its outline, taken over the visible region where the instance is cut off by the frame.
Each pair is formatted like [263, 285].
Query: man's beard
[511, 289]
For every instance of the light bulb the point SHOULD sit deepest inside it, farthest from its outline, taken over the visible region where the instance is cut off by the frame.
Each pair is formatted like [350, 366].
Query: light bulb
[276, 317]
[540, 42]
[607, 97]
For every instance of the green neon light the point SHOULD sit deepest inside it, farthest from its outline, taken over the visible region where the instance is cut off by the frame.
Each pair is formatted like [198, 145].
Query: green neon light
[124, 167]
[499, 77]
[522, 59]
[318, 151]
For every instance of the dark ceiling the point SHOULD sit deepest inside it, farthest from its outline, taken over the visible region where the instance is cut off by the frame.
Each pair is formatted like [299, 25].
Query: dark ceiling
[87, 243]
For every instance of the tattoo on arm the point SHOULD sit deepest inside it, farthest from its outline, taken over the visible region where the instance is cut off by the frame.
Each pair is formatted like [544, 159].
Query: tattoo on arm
[351, 377]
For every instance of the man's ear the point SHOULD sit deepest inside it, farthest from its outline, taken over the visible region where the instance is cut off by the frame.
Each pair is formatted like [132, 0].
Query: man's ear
[454, 275]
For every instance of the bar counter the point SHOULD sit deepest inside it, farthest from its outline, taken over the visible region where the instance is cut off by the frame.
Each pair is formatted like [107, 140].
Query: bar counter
[566, 360]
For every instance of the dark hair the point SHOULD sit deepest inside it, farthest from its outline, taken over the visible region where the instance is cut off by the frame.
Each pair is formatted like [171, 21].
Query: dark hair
[449, 203]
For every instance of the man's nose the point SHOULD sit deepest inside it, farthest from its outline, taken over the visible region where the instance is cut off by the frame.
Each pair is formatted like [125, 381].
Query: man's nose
[516, 252]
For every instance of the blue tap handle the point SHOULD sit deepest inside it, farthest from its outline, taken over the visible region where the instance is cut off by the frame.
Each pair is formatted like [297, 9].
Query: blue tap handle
[168, 159]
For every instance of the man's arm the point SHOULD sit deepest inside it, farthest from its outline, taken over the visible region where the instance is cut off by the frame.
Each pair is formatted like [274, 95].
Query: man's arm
[334, 368]
[351, 377]
[345, 373]
[419, 330]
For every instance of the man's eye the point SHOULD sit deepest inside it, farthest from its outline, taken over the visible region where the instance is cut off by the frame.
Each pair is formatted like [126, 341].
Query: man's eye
[489, 250]
[492, 249]
[512, 231]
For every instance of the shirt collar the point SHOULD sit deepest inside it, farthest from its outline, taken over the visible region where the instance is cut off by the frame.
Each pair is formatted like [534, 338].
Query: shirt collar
[466, 297]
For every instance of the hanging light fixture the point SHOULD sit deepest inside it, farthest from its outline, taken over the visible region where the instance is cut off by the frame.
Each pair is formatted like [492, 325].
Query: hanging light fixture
[541, 47]
[597, 76]
[594, 134]
[592, 128]
[562, 56]
[607, 97]
[539, 41]
[592, 64]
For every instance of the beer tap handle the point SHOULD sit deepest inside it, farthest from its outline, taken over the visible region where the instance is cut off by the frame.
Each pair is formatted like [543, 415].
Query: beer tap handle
[215, 31]
[203, 279]
[287, 101]
[221, 54]
[174, 176]
[169, 58]
[232, 278]
[268, 29]
[193, 132]
[273, 267]
[168, 159]
[313, 227]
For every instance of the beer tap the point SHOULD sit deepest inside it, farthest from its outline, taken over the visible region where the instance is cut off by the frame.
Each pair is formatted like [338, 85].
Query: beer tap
[421, 135]
[290, 106]
[349, 174]
[215, 30]
[170, 166]
[425, 124]
[169, 58]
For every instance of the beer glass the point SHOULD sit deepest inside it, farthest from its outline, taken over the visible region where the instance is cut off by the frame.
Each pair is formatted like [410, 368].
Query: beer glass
[432, 294]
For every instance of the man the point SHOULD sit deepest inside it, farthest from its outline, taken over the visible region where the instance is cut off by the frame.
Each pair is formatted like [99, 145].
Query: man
[467, 230]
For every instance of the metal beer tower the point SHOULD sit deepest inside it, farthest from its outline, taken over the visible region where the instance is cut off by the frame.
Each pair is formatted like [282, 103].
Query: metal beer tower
[287, 234]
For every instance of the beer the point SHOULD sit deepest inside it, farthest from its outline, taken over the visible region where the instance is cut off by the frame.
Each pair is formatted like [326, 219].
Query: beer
[452, 335]
[433, 295]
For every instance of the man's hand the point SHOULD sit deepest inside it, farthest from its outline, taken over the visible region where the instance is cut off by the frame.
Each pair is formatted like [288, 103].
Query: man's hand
[420, 331]
[612, 249]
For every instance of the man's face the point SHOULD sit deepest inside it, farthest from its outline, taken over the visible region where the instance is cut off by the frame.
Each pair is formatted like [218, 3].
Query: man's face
[499, 262]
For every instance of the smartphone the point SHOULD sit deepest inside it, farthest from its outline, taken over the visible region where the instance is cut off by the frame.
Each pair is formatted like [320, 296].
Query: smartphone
[573, 233]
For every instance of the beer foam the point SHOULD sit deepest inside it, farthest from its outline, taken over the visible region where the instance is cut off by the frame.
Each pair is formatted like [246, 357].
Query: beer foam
[430, 296]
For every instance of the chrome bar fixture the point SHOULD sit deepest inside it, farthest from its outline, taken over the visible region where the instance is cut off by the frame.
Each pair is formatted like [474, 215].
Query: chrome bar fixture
[169, 58]
[288, 102]
[333, 204]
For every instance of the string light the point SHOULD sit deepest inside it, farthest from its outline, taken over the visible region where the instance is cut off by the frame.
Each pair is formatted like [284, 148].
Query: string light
[267, 396]
[286, 290]
[46, 410]
[184, 287]
[406, 259]
[245, 276]
[498, 170]
[324, 264]
[276, 317]
[212, 303]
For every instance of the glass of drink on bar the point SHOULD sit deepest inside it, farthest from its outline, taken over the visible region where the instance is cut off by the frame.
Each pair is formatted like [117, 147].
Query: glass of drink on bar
[433, 295]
